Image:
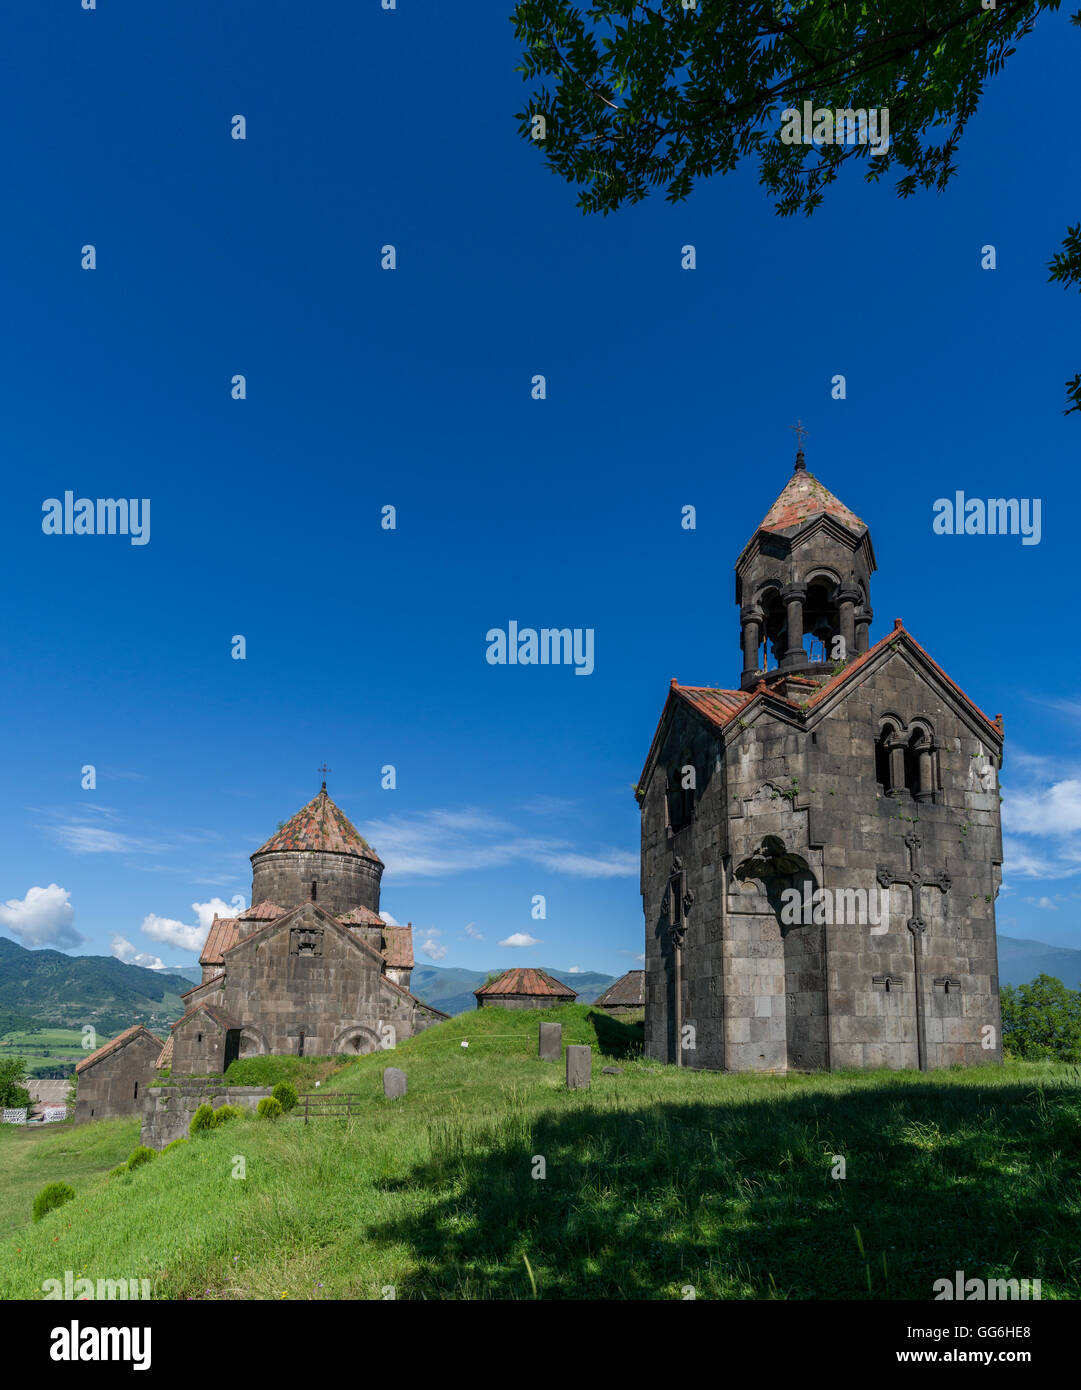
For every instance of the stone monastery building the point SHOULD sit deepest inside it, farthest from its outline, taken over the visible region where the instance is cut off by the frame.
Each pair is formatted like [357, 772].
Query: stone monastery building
[821, 846]
[310, 967]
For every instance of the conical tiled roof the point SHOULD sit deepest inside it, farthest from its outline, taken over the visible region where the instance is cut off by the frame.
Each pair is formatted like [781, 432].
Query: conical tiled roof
[804, 497]
[320, 826]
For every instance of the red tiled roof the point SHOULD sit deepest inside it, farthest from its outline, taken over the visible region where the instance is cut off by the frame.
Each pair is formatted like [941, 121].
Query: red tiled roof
[399, 950]
[721, 707]
[628, 992]
[223, 1019]
[361, 917]
[205, 985]
[265, 911]
[804, 497]
[166, 1057]
[121, 1040]
[320, 826]
[527, 982]
[224, 932]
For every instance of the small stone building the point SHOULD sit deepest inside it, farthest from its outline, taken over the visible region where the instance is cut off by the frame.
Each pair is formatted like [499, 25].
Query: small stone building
[524, 989]
[624, 995]
[112, 1080]
[204, 1041]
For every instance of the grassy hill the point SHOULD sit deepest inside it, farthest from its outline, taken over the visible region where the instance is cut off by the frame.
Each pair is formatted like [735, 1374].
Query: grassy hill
[655, 1179]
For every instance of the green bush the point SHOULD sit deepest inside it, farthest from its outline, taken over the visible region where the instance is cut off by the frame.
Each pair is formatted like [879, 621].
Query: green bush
[140, 1156]
[269, 1108]
[115, 1172]
[285, 1093]
[174, 1145]
[1041, 1020]
[202, 1119]
[225, 1113]
[53, 1194]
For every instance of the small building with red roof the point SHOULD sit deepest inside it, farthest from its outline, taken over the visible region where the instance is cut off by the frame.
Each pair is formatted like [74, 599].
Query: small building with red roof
[524, 989]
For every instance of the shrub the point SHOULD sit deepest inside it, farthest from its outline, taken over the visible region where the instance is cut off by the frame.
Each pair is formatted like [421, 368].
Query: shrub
[285, 1093]
[115, 1172]
[202, 1119]
[140, 1156]
[53, 1194]
[269, 1108]
[224, 1113]
[174, 1145]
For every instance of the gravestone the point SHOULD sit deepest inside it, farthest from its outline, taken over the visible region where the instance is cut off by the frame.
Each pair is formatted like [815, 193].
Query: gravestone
[612, 1071]
[393, 1083]
[579, 1063]
[551, 1042]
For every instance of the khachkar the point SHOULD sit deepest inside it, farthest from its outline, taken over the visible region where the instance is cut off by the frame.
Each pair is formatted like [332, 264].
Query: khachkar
[821, 847]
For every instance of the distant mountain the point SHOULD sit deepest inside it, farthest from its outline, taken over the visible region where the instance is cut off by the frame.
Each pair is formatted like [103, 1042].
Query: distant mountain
[451, 990]
[49, 987]
[1021, 961]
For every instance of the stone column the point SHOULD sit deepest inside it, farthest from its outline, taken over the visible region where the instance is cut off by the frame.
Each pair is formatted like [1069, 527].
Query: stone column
[793, 598]
[847, 598]
[751, 621]
[895, 746]
[863, 630]
[926, 768]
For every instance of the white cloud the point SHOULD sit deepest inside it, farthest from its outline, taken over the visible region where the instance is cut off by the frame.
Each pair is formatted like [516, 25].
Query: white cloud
[431, 948]
[216, 907]
[471, 930]
[576, 970]
[1054, 810]
[123, 950]
[190, 937]
[520, 938]
[43, 918]
[438, 843]
[174, 933]
[1047, 905]
[390, 921]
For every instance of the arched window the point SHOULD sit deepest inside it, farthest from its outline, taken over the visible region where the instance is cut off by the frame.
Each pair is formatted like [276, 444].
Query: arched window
[883, 774]
[774, 630]
[680, 798]
[821, 621]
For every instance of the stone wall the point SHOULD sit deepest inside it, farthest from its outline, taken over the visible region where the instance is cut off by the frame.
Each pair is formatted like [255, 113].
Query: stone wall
[519, 1001]
[336, 995]
[762, 995]
[116, 1084]
[168, 1109]
[342, 881]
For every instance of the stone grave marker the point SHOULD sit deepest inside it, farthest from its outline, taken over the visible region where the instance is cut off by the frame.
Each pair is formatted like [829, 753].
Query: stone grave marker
[579, 1064]
[393, 1083]
[551, 1042]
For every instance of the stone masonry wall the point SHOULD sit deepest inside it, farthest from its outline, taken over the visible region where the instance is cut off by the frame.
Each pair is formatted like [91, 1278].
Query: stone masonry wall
[342, 881]
[116, 1084]
[168, 1109]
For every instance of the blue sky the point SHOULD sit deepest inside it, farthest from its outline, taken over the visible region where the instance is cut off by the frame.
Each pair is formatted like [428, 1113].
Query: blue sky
[411, 388]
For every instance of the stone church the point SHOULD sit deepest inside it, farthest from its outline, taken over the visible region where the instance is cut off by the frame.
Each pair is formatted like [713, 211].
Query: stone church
[310, 968]
[821, 847]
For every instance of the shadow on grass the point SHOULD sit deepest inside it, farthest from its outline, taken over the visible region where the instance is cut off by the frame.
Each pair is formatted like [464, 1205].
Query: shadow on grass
[615, 1036]
[738, 1201]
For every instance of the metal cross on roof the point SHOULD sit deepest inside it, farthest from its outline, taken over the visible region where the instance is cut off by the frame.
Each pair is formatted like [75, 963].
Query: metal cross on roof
[324, 770]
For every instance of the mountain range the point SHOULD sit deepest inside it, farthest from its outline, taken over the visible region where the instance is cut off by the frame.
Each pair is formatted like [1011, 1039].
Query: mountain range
[49, 988]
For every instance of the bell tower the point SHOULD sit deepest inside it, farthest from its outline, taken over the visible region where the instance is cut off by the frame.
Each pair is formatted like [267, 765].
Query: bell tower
[803, 585]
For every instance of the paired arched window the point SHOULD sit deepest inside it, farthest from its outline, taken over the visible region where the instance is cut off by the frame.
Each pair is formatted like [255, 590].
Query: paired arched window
[905, 760]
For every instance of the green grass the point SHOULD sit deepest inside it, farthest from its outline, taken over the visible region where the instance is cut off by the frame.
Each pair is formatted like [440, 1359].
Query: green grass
[30, 1157]
[655, 1179]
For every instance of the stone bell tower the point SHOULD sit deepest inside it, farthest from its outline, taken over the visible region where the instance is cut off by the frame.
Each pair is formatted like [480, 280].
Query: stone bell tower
[821, 847]
[803, 584]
